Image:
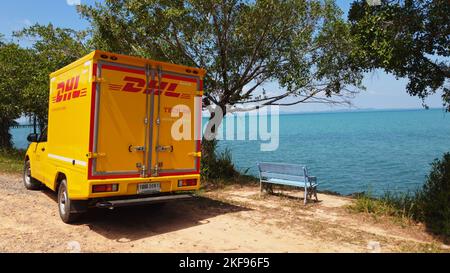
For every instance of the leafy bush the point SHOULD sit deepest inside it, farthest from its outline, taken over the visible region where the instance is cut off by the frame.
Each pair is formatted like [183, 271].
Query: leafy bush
[224, 167]
[433, 201]
[217, 165]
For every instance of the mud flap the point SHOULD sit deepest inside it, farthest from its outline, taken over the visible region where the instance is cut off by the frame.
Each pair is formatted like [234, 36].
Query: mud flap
[78, 206]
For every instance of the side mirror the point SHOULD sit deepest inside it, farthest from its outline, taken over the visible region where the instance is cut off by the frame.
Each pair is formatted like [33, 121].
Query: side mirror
[33, 138]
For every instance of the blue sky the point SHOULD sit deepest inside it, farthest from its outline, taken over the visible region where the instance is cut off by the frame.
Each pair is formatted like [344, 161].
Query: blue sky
[384, 91]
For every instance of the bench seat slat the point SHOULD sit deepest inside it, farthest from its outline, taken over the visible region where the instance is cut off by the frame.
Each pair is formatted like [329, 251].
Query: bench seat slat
[285, 182]
[284, 176]
[288, 182]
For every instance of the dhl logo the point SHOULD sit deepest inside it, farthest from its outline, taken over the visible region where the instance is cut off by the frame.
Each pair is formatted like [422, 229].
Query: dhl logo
[68, 90]
[137, 85]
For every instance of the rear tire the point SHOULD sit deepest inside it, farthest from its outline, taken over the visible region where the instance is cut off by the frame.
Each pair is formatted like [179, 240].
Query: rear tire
[29, 182]
[65, 206]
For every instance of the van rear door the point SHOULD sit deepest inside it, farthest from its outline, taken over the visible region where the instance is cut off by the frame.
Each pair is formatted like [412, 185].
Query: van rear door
[121, 123]
[147, 122]
[177, 119]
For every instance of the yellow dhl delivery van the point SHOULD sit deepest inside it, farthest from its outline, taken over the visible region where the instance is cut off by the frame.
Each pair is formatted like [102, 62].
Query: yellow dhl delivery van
[113, 135]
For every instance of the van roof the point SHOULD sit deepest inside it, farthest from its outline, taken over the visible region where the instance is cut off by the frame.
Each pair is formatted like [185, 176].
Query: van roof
[131, 60]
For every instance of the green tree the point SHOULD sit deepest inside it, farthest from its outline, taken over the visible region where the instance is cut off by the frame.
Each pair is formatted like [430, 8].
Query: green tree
[13, 79]
[304, 46]
[52, 48]
[407, 38]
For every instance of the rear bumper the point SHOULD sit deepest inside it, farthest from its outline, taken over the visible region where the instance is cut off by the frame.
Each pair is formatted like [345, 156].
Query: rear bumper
[142, 201]
[128, 187]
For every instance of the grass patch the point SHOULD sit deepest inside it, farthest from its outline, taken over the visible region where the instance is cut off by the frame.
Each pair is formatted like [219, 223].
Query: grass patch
[221, 183]
[11, 161]
[399, 206]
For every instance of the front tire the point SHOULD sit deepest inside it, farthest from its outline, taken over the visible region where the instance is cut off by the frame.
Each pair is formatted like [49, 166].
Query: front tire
[65, 206]
[29, 182]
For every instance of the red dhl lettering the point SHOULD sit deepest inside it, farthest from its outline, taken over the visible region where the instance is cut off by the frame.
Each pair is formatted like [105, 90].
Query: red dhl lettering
[68, 90]
[137, 85]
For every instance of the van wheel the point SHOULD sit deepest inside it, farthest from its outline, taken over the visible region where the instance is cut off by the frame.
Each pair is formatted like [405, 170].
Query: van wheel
[65, 206]
[29, 182]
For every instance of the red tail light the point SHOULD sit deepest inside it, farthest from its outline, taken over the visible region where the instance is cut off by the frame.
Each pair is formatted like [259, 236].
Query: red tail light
[187, 183]
[105, 188]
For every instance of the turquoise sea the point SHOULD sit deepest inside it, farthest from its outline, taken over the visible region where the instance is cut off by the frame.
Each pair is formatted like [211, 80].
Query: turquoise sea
[349, 151]
[356, 151]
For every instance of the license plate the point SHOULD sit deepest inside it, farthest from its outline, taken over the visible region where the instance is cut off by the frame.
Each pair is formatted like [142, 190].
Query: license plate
[149, 188]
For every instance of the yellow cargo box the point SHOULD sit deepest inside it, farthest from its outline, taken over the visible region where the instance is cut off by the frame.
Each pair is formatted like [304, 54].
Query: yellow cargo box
[121, 131]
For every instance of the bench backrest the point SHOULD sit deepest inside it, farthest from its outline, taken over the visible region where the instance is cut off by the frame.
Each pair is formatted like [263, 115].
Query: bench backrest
[282, 171]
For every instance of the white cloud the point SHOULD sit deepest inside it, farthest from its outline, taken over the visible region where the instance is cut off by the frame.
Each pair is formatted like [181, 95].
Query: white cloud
[73, 2]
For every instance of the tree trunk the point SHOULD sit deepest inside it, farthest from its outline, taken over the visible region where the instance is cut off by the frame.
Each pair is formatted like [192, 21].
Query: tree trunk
[209, 149]
[208, 153]
[5, 136]
[42, 124]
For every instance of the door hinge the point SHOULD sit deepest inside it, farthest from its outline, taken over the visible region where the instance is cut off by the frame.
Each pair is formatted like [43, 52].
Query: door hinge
[142, 169]
[95, 155]
[157, 168]
[196, 154]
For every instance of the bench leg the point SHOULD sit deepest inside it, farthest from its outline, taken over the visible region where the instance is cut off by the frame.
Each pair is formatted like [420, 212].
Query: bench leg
[306, 196]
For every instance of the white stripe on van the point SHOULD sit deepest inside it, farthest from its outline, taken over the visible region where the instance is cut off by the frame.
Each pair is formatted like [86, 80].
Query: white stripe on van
[65, 159]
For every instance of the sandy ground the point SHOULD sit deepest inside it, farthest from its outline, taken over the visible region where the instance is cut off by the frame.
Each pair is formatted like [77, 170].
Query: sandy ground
[232, 219]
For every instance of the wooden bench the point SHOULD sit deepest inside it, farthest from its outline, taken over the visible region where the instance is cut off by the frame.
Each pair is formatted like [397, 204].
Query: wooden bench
[289, 175]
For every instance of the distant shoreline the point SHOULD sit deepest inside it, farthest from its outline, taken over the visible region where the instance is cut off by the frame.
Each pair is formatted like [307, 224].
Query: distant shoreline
[362, 110]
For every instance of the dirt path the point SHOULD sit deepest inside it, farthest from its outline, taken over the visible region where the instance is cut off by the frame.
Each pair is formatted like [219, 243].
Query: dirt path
[234, 219]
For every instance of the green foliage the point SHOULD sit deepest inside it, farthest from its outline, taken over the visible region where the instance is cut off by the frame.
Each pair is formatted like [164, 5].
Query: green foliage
[52, 49]
[218, 165]
[24, 72]
[407, 38]
[11, 161]
[302, 45]
[434, 198]
[224, 167]
[405, 205]
[14, 72]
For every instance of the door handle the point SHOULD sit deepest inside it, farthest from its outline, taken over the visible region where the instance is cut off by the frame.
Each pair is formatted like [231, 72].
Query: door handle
[132, 148]
[161, 149]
